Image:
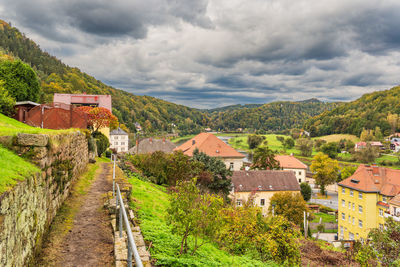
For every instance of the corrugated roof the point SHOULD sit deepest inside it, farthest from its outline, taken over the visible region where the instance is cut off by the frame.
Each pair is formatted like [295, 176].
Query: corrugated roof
[374, 179]
[286, 161]
[118, 131]
[209, 144]
[265, 180]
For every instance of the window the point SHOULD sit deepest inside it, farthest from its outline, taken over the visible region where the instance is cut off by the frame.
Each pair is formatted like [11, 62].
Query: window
[360, 223]
[357, 236]
[351, 236]
[231, 166]
[362, 240]
[360, 195]
[343, 216]
[238, 202]
[343, 190]
[380, 226]
[122, 148]
[351, 193]
[384, 199]
[299, 172]
[353, 221]
[116, 143]
[122, 143]
[381, 212]
[299, 180]
[360, 209]
[349, 219]
[262, 202]
[341, 230]
[354, 207]
[343, 203]
[349, 205]
[116, 137]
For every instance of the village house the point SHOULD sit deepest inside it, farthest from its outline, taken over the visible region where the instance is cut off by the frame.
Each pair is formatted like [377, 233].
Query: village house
[290, 163]
[361, 145]
[365, 199]
[119, 140]
[214, 147]
[150, 145]
[263, 184]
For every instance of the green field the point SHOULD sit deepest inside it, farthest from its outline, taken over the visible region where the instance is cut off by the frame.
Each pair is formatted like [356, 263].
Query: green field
[13, 169]
[326, 218]
[150, 202]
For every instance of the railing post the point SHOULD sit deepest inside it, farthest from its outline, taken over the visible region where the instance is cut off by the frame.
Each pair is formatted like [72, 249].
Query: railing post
[113, 155]
[120, 219]
[129, 253]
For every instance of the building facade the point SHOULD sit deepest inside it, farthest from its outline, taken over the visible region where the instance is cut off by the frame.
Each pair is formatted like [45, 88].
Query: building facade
[364, 200]
[119, 140]
[290, 163]
[261, 185]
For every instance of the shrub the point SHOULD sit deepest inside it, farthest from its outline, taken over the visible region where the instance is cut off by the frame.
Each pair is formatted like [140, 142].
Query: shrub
[305, 190]
[325, 209]
[102, 142]
[7, 102]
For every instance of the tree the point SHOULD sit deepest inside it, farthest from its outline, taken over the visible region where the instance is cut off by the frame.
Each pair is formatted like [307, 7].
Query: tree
[7, 102]
[378, 133]
[254, 140]
[305, 146]
[219, 182]
[385, 243]
[393, 120]
[367, 154]
[20, 80]
[346, 172]
[331, 149]
[367, 135]
[288, 143]
[99, 117]
[289, 205]
[193, 214]
[306, 191]
[325, 170]
[264, 159]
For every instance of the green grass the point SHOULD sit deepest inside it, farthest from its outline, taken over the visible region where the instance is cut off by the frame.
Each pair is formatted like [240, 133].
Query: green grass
[13, 169]
[182, 138]
[103, 159]
[9, 127]
[151, 202]
[326, 218]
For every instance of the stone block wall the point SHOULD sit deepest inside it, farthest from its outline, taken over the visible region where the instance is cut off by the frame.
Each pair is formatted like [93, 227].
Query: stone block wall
[27, 210]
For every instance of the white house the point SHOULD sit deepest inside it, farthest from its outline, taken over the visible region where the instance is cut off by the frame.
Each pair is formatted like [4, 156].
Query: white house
[119, 140]
[290, 163]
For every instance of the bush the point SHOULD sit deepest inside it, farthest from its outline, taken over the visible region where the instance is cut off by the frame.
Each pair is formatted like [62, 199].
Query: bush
[7, 102]
[305, 190]
[254, 140]
[102, 142]
[325, 209]
[108, 153]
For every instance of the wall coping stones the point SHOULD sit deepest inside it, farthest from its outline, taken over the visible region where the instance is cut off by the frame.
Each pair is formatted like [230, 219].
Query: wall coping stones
[24, 139]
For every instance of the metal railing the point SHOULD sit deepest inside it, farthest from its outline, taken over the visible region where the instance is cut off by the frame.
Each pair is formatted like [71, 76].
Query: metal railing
[123, 220]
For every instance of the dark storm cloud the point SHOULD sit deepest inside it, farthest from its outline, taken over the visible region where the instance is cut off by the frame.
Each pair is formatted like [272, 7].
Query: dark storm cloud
[216, 52]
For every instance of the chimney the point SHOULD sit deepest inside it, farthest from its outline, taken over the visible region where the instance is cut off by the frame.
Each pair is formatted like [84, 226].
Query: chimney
[151, 140]
[193, 142]
[163, 140]
[375, 170]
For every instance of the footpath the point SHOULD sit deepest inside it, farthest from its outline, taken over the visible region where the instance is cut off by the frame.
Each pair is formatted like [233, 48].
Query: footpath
[80, 234]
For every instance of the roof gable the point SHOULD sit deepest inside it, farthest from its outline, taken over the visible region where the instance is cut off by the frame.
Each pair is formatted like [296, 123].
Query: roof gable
[210, 145]
[286, 161]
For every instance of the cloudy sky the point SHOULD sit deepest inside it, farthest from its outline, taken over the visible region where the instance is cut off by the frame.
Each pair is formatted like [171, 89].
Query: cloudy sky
[211, 53]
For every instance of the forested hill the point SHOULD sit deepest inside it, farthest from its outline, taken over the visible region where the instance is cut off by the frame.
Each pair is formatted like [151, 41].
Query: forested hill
[369, 111]
[153, 114]
[276, 116]
[231, 107]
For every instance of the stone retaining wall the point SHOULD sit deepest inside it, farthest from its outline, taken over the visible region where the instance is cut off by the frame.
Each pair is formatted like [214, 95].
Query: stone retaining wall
[27, 210]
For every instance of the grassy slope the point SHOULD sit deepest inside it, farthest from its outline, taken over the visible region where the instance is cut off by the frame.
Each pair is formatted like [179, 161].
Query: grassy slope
[13, 169]
[9, 126]
[151, 202]
[338, 137]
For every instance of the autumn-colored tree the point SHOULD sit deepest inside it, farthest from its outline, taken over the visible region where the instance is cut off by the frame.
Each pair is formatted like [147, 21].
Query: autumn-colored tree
[264, 159]
[393, 120]
[367, 135]
[99, 117]
[289, 205]
[325, 170]
[305, 146]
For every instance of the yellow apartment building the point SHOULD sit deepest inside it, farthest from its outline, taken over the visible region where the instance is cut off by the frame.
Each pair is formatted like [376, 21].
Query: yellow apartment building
[263, 184]
[364, 200]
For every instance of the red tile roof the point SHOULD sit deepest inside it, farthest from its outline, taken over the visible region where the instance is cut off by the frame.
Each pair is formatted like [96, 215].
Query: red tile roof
[395, 200]
[290, 162]
[383, 204]
[209, 144]
[265, 180]
[374, 179]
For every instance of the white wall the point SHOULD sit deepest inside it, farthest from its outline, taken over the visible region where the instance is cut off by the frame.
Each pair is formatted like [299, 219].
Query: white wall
[237, 163]
[119, 142]
[300, 174]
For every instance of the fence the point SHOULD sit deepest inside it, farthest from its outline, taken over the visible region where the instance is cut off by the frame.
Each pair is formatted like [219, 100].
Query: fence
[123, 220]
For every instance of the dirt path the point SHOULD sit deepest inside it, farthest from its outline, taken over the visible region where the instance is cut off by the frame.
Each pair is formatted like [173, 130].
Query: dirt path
[88, 240]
